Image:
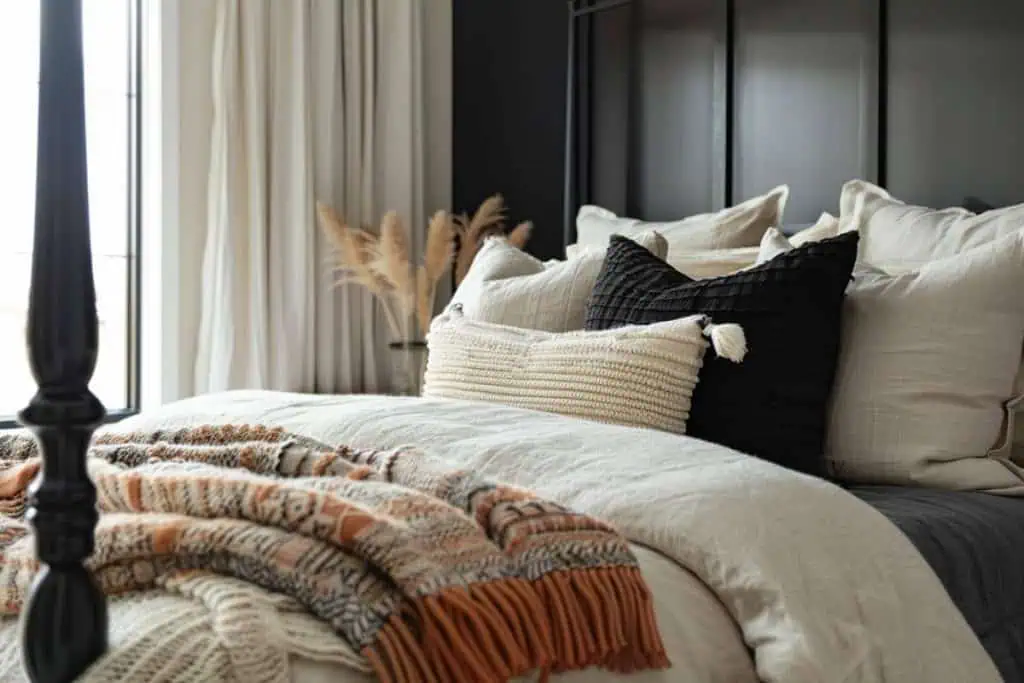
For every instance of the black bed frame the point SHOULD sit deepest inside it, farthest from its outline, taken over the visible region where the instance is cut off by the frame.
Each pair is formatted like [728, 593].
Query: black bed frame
[579, 102]
[65, 619]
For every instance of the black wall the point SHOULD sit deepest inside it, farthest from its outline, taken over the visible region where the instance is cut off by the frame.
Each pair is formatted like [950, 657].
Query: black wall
[509, 119]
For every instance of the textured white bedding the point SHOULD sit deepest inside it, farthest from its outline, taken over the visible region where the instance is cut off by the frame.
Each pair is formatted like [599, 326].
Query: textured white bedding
[759, 574]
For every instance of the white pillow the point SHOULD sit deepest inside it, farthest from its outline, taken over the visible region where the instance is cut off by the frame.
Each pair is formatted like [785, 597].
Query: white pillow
[897, 237]
[697, 264]
[923, 392]
[827, 226]
[507, 286]
[926, 374]
[638, 375]
[774, 242]
[742, 225]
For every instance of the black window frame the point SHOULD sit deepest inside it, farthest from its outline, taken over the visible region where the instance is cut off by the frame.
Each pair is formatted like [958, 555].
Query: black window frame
[133, 267]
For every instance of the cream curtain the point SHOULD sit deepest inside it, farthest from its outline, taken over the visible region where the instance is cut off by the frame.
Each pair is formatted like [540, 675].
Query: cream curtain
[313, 99]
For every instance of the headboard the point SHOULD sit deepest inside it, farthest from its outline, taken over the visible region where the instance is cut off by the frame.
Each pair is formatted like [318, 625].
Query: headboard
[675, 108]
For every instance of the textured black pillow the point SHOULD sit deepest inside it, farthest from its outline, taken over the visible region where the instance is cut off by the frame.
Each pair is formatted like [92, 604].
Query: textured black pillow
[774, 404]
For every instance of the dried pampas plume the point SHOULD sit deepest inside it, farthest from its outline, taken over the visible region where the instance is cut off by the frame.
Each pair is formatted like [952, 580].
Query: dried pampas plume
[520, 235]
[391, 261]
[383, 262]
[488, 219]
[355, 250]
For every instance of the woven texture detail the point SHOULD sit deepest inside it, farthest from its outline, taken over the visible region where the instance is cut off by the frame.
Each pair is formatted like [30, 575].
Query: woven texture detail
[773, 405]
[201, 628]
[641, 376]
[430, 573]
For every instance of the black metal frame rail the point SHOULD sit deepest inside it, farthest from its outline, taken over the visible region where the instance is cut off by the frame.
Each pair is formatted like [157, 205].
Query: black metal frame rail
[579, 102]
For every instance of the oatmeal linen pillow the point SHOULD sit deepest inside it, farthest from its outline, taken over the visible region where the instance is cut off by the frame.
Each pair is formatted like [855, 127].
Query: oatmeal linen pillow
[738, 226]
[696, 264]
[926, 373]
[700, 264]
[640, 376]
[507, 286]
[898, 237]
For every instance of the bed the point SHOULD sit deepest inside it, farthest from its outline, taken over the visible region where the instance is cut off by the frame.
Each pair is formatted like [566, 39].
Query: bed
[757, 572]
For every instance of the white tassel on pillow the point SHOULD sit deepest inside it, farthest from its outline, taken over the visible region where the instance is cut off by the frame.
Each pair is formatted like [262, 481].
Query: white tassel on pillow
[728, 340]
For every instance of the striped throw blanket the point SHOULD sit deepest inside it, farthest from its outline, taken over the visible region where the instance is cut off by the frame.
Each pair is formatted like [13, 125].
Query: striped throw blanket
[429, 571]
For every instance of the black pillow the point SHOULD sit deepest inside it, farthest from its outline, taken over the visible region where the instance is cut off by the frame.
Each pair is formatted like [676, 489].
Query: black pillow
[775, 403]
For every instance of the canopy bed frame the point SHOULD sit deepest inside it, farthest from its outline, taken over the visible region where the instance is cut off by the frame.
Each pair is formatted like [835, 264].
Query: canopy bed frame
[65, 621]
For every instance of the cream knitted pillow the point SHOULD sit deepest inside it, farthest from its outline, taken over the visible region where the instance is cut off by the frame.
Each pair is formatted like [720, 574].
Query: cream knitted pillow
[638, 376]
[507, 286]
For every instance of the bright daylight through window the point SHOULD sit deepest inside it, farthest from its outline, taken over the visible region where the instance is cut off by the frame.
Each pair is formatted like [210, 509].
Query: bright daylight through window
[110, 51]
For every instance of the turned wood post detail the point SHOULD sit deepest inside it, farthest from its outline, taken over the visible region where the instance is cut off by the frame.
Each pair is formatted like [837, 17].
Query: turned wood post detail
[65, 618]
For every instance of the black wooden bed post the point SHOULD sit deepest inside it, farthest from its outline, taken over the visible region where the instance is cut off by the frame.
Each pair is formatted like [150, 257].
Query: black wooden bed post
[65, 620]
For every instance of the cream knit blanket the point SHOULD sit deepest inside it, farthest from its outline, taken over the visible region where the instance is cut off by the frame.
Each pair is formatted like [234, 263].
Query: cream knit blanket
[226, 630]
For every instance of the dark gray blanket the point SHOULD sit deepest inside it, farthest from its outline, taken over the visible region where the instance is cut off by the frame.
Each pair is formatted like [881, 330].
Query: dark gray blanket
[975, 544]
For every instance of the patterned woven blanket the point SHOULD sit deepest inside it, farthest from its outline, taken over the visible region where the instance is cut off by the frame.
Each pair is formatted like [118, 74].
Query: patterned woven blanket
[432, 573]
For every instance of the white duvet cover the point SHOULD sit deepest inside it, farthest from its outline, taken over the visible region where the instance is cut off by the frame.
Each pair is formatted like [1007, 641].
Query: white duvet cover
[758, 573]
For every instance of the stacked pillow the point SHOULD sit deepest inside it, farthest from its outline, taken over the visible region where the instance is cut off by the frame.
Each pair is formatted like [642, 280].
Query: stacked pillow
[739, 226]
[926, 391]
[506, 285]
[899, 236]
[885, 343]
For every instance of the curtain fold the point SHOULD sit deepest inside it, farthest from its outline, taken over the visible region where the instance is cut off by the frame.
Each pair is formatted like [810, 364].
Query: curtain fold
[313, 100]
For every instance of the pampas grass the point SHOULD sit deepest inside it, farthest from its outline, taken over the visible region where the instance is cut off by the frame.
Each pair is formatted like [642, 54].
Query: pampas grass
[382, 262]
[489, 219]
[520, 235]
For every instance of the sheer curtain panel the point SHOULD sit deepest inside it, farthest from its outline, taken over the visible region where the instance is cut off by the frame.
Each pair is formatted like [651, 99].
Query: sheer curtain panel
[313, 100]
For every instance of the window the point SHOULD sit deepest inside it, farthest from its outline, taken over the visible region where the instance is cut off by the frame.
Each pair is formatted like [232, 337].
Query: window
[110, 35]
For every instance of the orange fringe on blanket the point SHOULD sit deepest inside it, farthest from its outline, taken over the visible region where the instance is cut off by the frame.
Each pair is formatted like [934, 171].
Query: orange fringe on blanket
[496, 631]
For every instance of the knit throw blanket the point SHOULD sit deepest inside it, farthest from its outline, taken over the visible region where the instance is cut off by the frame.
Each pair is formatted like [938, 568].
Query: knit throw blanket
[431, 572]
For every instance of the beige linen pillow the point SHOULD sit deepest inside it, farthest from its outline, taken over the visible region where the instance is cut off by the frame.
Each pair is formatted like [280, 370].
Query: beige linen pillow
[697, 264]
[638, 375]
[897, 237]
[926, 373]
[775, 243]
[738, 226]
[507, 286]
[827, 226]
[718, 262]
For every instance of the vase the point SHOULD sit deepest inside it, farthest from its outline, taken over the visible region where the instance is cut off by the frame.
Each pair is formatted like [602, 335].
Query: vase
[408, 363]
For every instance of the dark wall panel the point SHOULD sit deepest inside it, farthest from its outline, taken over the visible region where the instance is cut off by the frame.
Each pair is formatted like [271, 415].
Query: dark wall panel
[678, 145]
[509, 121]
[806, 106]
[655, 144]
[956, 102]
[612, 109]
